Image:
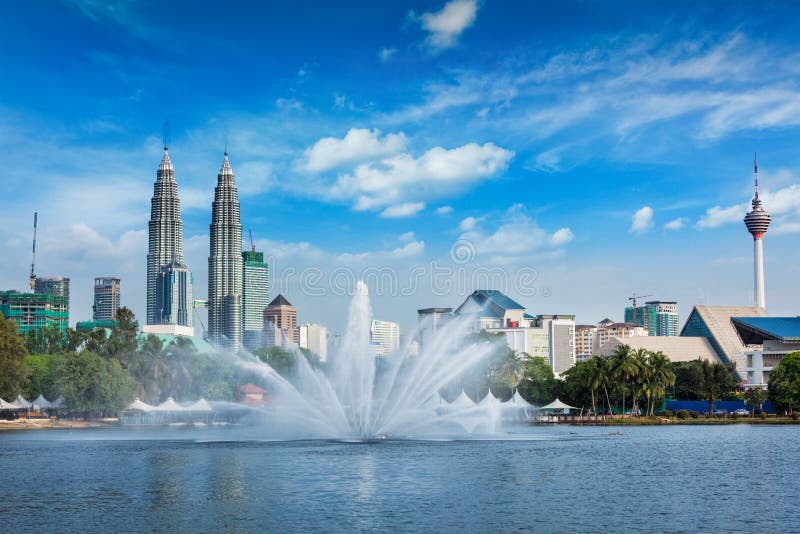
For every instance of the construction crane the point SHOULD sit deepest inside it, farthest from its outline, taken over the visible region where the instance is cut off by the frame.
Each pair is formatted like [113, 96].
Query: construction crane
[633, 301]
[33, 257]
[252, 244]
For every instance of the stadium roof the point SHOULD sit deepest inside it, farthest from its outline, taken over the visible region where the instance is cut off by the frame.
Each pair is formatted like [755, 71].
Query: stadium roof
[754, 330]
[677, 349]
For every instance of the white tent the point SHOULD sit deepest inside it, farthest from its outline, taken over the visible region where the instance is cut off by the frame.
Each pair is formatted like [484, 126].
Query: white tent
[434, 402]
[22, 403]
[169, 405]
[199, 406]
[7, 405]
[558, 405]
[137, 404]
[41, 402]
[518, 402]
[489, 400]
[462, 402]
[59, 402]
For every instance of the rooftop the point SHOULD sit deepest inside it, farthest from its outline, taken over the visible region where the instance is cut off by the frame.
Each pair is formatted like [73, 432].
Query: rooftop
[280, 300]
[754, 330]
[677, 349]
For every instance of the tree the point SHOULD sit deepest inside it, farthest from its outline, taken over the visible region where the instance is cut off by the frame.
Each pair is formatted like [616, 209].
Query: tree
[538, 382]
[755, 397]
[47, 340]
[42, 373]
[716, 379]
[624, 369]
[688, 380]
[784, 383]
[92, 384]
[12, 353]
[660, 379]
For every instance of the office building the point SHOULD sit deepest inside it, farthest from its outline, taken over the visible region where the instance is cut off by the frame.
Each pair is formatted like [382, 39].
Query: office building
[225, 264]
[430, 321]
[255, 298]
[106, 298]
[314, 337]
[386, 335]
[280, 323]
[174, 295]
[767, 340]
[165, 247]
[551, 337]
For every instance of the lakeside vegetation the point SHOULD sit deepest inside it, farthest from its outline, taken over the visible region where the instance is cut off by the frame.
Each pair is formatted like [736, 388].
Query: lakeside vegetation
[100, 372]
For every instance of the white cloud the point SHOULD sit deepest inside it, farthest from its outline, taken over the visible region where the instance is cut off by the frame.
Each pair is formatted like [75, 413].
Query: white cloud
[385, 54]
[403, 179]
[642, 220]
[445, 26]
[468, 224]
[443, 210]
[677, 224]
[406, 237]
[359, 144]
[516, 238]
[562, 237]
[783, 205]
[399, 211]
[409, 250]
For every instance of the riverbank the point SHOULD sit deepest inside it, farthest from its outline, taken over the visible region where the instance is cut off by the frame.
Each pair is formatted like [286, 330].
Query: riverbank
[43, 424]
[648, 421]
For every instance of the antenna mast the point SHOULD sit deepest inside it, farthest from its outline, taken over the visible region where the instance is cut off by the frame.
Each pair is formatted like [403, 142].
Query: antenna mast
[33, 257]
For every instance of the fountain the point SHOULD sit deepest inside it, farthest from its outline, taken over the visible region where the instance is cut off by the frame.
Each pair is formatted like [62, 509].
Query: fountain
[354, 401]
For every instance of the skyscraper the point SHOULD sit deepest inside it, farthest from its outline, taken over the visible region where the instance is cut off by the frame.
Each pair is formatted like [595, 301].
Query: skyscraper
[165, 240]
[225, 263]
[106, 298]
[255, 297]
[386, 334]
[757, 222]
[174, 295]
[658, 317]
[280, 323]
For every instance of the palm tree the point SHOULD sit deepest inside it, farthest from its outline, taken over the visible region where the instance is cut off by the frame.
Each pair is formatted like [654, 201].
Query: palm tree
[624, 368]
[716, 378]
[662, 377]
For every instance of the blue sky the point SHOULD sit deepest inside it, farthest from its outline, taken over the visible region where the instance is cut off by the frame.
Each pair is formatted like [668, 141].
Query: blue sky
[568, 153]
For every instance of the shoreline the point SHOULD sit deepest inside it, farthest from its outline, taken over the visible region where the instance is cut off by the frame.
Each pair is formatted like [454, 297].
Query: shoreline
[44, 424]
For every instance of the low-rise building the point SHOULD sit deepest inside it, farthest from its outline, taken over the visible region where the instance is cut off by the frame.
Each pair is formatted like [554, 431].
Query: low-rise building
[767, 340]
[314, 337]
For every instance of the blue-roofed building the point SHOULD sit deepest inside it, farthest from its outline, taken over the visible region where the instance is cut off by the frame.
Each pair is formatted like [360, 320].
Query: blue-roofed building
[549, 336]
[767, 340]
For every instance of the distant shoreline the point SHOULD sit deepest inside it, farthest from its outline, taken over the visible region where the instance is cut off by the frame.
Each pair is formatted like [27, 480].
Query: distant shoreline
[44, 424]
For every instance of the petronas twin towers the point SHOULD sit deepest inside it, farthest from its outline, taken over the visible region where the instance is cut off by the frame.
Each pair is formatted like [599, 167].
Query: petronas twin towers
[169, 283]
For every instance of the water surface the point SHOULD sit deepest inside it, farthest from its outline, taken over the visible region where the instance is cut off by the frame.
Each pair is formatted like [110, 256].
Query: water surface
[735, 478]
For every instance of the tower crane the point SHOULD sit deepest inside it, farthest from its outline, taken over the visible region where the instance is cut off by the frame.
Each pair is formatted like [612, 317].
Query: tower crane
[33, 257]
[252, 243]
[633, 301]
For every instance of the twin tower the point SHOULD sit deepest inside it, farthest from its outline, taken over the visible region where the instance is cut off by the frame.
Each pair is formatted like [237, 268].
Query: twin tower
[169, 281]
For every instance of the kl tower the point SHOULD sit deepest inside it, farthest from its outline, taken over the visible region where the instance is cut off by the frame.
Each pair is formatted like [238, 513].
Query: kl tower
[757, 222]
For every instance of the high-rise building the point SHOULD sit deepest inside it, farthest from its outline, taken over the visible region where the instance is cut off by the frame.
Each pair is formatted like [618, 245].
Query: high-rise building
[165, 238]
[757, 222]
[658, 317]
[174, 295]
[280, 323]
[314, 337]
[58, 286]
[225, 263]
[106, 298]
[255, 298]
[430, 320]
[34, 311]
[386, 335]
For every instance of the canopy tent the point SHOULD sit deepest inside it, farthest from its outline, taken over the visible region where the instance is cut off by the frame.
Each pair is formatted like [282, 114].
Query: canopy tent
[489, 400]
[137, 404]
[59, 402]
[201, 405]
[22, 403]
[558, 405]
[518, 401]
[434, 402]
[41, 402]
[462, 402]
[169, 405]
[7, 405]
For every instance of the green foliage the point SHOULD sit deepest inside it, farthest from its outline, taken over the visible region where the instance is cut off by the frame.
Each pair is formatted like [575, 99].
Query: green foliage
[92, 384]
[12, 354]
[538, 382]
[668, 413]
[500, 372]
[755, 397]
[784, 383]
[42, 374]
[688, 377]
[762, 415]
[49, 340]
[683, 414]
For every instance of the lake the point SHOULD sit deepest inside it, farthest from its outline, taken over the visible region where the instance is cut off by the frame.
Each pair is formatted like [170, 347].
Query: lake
[733, 478]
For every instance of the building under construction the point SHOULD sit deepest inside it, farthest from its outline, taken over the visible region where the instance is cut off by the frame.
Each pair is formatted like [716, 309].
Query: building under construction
[34, 311]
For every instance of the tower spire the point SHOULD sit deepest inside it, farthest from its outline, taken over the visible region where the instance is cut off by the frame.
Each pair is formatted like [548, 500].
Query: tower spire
[757, 221]
[755, 171]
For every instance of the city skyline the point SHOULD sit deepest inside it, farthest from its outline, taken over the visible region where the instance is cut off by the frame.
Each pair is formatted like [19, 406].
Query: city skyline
[665, 178]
